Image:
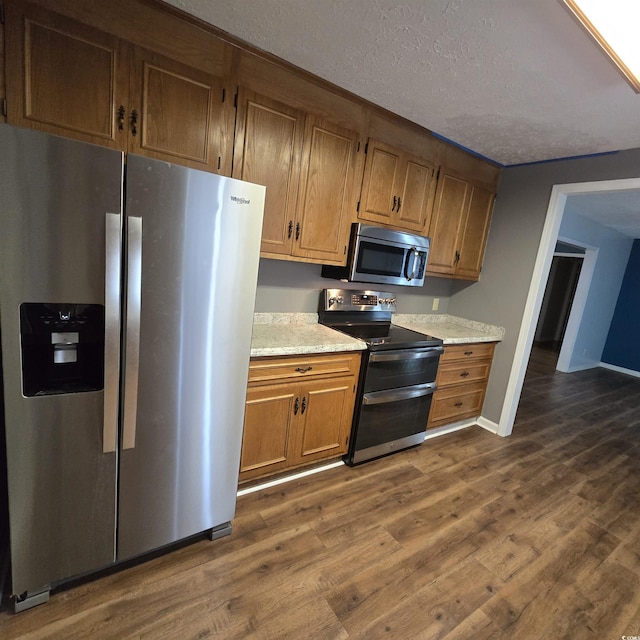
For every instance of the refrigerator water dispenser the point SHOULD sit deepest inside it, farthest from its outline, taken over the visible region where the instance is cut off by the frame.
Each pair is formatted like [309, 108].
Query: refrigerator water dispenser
[62, 348]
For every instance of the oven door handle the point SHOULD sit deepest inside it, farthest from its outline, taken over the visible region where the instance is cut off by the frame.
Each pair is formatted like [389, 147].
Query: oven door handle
[395, 395]
[405, 354]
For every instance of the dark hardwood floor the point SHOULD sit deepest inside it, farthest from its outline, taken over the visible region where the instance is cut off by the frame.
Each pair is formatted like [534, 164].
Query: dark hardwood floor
[469, 536]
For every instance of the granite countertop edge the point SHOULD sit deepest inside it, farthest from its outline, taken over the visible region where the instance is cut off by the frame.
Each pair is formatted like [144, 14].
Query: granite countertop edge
[450, 329]
[282, 334]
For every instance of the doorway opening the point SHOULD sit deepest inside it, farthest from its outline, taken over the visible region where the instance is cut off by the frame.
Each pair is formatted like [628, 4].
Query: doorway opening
[546, 249]
[557, 302]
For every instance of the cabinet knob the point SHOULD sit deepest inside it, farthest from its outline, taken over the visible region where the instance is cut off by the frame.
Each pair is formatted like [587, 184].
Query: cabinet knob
[297, 230]
[458, 404]
[395, 202]
[296, 406]
[304, 404]
[399, 203]
[464, 374]
[290, 229]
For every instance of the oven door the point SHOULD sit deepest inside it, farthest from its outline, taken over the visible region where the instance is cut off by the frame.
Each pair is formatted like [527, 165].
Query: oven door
[391, 420]
[401, 368]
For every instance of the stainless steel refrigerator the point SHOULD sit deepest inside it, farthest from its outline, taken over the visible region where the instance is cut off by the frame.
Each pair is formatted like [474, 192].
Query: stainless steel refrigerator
[127, 291]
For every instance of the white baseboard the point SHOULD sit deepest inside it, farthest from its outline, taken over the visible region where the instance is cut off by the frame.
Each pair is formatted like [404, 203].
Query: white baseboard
[582, 367]
[448, 428]
[267, 484]
[613, 367]
[487, 424]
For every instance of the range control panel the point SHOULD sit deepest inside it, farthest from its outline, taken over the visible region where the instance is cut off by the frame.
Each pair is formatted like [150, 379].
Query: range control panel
[358, 300]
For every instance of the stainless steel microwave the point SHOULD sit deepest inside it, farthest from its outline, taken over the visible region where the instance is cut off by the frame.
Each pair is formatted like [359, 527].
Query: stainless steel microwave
[383, 256]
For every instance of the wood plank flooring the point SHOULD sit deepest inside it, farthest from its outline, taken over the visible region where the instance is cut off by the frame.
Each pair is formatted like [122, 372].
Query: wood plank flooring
[467, 536]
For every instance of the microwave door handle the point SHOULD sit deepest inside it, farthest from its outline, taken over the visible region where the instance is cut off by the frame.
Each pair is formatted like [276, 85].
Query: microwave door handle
[413, 252]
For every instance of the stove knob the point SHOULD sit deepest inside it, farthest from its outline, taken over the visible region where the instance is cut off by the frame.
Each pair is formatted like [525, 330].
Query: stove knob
[331, 301]
[340, 299]
[392, 300]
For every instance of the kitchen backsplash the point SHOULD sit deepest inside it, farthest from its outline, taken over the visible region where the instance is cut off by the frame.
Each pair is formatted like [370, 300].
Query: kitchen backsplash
[294, 287]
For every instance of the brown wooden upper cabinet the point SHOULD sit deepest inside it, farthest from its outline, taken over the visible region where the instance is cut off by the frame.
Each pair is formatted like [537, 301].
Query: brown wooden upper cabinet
[308, 166]
[459, 226]
[397, 188]
[73, 80]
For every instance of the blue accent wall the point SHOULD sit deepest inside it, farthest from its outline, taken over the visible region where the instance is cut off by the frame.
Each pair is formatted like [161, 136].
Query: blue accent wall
[622, 347]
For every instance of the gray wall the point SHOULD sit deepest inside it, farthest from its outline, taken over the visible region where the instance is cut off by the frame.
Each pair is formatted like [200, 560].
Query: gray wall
[516, 228]
[295, 287]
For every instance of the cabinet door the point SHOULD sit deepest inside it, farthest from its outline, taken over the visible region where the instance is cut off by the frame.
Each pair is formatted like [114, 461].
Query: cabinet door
[448, 215]
[474, 232]
[413, 210]
[397, 188]
[326, 413]
[179, 114]
[268, 145]
[327, 200]
[456, 403]
[269, 413]
[381, 171]
[65, 78]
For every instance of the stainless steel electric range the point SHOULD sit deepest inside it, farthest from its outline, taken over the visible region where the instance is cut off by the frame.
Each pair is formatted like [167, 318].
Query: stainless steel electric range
[397, 377]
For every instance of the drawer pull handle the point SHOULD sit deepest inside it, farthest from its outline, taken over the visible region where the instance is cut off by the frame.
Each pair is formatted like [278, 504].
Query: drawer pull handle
[303, 369]
[464, 374]
[458, 404]
[468, 353]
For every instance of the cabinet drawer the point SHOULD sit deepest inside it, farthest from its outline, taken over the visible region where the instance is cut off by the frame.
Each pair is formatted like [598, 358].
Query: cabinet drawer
[467, 351]
[461, 372]
[456, 403]
[268, 368]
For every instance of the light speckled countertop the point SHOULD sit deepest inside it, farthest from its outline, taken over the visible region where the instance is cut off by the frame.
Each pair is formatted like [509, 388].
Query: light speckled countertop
[282, 334]
[451, 329]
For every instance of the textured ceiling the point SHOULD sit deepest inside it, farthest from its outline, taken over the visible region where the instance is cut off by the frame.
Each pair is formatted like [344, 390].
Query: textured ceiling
[619, 210]
[515, 81]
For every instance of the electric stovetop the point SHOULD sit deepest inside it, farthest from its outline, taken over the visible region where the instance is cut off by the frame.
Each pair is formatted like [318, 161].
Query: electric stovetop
[367, 315]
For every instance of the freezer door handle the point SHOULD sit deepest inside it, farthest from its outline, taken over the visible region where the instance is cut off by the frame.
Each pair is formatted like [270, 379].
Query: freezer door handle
[132, 340]
[113, 259]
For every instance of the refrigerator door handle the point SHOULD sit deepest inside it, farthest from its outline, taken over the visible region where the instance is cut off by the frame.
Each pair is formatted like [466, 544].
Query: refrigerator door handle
[132, 340]
[113, 259]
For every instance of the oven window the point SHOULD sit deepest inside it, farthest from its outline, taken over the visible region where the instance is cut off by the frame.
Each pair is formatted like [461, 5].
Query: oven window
[380, 259]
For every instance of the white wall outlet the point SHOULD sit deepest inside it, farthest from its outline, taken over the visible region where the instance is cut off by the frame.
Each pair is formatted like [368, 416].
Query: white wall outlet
[436, 304]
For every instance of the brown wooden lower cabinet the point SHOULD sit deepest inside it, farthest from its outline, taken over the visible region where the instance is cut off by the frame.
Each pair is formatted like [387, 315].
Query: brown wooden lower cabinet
[461, 383]
[298, 411]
